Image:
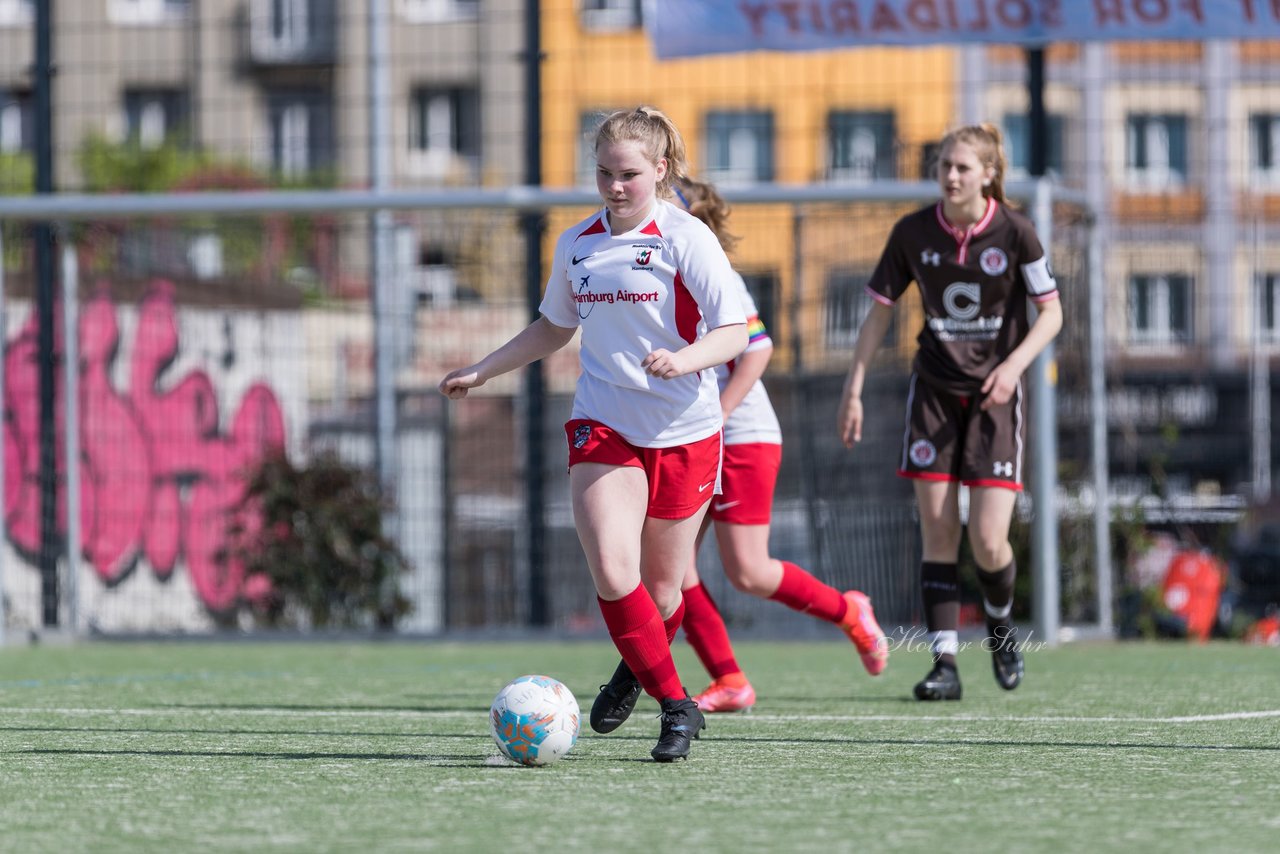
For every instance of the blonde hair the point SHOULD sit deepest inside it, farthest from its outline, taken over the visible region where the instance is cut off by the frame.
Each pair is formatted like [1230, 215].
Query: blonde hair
[657, 135]
[988, 144]
[705, 202]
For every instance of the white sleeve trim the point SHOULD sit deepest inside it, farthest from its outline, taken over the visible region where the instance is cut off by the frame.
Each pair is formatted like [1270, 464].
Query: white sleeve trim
[1038, 277]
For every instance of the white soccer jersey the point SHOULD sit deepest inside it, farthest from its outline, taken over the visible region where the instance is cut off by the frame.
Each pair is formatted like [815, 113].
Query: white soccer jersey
[661, 285]
[753, 420]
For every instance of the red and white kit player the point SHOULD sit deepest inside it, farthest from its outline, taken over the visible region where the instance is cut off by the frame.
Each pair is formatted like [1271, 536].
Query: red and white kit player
[645, 282]
[742, 513]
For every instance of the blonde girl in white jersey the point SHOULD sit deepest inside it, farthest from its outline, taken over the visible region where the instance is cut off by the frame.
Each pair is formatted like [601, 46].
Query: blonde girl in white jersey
[647, 283]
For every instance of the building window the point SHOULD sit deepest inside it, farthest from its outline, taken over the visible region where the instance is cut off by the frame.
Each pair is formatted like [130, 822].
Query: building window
[301, 127]
[146, 11]
[861, 146]
[1017, 143]
[612, 15]
[739, 147]
[1160, 309]
[1156, 150]
[1268, 289]
[153, 117]
[847, 304]
[438, 11]
[17, 13]
[15, 122]
[287, 24]
[1264, 147]
[444, 125]
[763, 287]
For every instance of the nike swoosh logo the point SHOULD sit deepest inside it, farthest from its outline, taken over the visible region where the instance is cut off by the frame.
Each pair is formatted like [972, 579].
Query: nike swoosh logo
[726, 505]
[706, 486]
[577, 261]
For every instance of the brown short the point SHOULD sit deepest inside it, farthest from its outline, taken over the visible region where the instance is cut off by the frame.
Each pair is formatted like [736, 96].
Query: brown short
[949, 437]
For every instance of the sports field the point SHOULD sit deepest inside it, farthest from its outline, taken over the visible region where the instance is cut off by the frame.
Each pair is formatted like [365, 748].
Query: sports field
[384, 747]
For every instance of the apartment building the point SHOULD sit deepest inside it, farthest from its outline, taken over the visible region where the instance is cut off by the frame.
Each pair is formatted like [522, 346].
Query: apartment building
[282, 84]
[1176, 146]
[278, 93]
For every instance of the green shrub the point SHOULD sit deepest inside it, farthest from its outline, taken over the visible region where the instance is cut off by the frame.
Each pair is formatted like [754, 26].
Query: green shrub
[321, 545]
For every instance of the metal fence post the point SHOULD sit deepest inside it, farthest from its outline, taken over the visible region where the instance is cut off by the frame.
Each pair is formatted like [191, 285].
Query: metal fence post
[1045, 566]
[4, 526]
[71, 425]
[1098, 432]
[384, 325]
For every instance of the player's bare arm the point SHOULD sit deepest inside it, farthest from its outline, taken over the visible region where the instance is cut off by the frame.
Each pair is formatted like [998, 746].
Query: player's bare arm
[1000, 384]
[872, 332]
[537, 340]
[747, 368]
[715, 348]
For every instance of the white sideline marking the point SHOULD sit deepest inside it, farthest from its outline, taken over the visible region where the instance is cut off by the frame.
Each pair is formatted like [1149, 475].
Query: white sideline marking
[236, 710]
[751, 718]
[1029, 719]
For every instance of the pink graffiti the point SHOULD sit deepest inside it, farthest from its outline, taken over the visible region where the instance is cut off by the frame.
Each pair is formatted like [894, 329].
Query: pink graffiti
[159, 478]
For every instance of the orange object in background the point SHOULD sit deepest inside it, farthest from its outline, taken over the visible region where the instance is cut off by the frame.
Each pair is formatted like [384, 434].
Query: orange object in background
[1192, 585]
[1265, 632]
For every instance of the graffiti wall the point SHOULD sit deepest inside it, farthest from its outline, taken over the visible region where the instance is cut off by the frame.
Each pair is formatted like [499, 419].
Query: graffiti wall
[175, 403]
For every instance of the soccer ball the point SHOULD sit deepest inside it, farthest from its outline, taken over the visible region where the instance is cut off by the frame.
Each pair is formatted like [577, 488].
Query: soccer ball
[534, 720]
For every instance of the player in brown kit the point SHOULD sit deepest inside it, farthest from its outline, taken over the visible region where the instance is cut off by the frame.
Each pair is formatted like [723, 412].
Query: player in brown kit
[976, 263]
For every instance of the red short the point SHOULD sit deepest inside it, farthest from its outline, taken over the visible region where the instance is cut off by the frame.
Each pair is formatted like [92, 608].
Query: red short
[750, 474]
[681, 478]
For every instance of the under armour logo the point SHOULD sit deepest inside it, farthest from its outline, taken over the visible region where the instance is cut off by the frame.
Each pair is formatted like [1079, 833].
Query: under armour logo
[1002, 469]
[933, 259]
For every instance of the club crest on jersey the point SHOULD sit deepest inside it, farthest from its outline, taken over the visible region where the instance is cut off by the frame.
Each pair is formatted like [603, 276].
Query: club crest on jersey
[645, 255]
[993, 261]
[922, 453]
[581, 435]
[930, 257]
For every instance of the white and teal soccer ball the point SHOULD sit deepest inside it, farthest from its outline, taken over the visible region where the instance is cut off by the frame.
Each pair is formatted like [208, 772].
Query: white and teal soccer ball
[534, 720]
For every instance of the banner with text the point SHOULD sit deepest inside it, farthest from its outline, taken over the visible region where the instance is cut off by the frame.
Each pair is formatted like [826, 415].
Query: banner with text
[696, 27]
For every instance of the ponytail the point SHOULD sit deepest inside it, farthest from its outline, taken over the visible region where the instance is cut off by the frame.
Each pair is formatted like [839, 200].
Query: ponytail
[703, 201]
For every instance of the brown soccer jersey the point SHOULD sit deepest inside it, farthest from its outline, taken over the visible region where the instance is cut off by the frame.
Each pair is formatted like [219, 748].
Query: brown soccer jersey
[974, 285]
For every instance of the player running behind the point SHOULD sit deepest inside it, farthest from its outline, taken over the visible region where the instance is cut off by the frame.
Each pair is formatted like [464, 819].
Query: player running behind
[975, 262]
[742, 513]
[648, 285]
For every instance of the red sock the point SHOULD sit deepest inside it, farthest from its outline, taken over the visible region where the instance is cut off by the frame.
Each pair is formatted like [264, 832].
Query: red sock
[802, 592]
[705, 630]
[636, 628]
[672, 623]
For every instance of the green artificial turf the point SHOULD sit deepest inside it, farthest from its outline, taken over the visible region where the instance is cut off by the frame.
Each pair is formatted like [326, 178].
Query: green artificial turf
[376, 747]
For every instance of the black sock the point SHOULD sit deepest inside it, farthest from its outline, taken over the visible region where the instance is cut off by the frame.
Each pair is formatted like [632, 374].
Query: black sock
[940, 590]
